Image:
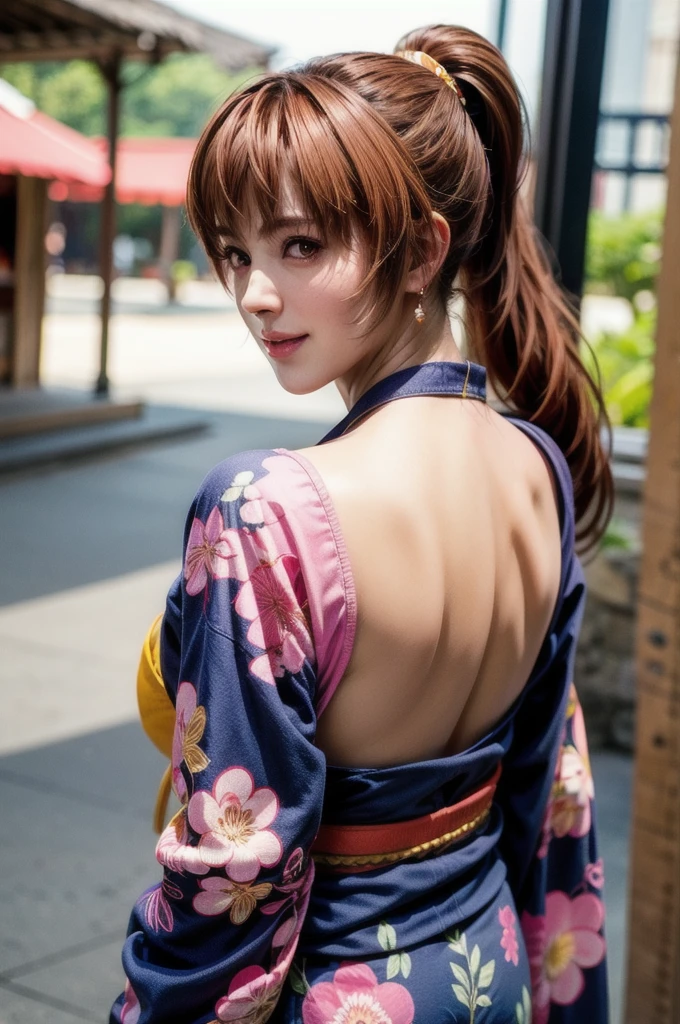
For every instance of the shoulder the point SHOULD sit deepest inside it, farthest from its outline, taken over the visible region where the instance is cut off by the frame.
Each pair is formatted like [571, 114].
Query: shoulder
[560, 475]
[258, 475]
[271, 495]
[267, 509]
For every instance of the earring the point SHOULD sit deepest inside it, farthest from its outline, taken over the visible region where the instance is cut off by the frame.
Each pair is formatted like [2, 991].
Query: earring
[419, 311]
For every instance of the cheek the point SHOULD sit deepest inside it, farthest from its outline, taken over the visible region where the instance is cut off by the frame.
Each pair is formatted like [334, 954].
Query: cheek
[333, 294]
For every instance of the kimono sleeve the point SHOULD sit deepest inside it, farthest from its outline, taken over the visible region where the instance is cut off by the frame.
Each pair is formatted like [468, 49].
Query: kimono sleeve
[550, 841]
[215, 939]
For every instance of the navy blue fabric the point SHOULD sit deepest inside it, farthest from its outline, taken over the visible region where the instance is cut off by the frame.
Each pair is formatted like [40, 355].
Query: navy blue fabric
[468, 379]
[505, 925]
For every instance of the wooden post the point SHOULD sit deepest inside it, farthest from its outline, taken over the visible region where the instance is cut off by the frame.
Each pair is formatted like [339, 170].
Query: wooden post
[171, 227]
[111, 72]
[29, 291]
[653, 978]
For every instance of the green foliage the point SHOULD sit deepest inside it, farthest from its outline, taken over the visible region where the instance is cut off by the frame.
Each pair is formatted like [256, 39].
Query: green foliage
[387, 937]
[523, 1009]
[619, 535]
[139, 221]
[397, 963]
[183, 270]
[174, 98]
[177, 97]
[623, 258]
[297, 980]
[626, 367]
[623, 253]
[73, 92]
[472, 977]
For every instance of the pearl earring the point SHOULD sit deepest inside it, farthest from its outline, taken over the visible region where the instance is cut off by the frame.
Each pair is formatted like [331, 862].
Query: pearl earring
[419, 311]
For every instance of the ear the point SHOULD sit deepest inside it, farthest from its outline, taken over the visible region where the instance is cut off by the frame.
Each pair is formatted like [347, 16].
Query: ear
[438, 247]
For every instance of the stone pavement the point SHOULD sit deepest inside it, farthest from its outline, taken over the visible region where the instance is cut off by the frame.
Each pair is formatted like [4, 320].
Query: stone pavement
[86, 554]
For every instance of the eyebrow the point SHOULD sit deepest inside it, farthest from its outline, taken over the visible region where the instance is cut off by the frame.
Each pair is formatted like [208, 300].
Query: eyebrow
[278, 224]
[287, 222]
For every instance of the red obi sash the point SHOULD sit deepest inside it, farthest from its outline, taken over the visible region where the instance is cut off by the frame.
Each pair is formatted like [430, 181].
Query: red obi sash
[353, 848]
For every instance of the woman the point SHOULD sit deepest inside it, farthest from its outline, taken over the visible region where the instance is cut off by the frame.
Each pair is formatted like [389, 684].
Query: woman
[387, 807]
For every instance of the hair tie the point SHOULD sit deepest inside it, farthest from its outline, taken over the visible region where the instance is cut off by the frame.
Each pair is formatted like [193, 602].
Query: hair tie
[425, 61]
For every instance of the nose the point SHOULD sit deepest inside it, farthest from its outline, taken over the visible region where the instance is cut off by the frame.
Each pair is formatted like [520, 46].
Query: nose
[261, 295]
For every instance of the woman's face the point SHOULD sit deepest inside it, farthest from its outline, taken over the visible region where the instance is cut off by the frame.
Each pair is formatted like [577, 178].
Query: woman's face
[295, 292]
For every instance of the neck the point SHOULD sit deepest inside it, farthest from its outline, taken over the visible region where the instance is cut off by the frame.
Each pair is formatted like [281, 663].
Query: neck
[407, 344]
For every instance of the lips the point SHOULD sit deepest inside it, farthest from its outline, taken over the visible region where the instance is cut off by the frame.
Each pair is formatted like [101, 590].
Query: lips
[278, 336]
[281, 345]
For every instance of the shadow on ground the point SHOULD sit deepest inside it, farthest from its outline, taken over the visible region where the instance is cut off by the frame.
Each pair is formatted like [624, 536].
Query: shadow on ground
[70, 525]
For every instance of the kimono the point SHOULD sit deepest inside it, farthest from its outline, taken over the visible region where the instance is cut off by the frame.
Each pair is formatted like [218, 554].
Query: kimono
[499, 919]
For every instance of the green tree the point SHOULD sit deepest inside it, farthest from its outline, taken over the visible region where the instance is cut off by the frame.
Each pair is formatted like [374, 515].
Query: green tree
[177, 97]
[174, 98]
[73, 92]
[623, 253]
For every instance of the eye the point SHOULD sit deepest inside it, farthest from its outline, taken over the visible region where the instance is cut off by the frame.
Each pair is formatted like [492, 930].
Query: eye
[234, 258]
[302, 248]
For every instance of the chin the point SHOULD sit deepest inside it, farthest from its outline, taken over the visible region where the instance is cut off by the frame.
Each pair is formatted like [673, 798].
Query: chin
[299, 381]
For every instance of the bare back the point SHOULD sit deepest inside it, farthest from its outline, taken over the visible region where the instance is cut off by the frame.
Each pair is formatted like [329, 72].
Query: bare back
[449, 514]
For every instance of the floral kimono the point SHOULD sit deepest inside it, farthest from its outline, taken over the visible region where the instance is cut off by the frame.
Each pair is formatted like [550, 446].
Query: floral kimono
[460, 889]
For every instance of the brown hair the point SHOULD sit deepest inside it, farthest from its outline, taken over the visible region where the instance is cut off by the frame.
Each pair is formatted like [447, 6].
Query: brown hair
[374, 145]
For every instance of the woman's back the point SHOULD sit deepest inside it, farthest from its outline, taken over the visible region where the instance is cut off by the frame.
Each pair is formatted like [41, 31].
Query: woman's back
[450, 520]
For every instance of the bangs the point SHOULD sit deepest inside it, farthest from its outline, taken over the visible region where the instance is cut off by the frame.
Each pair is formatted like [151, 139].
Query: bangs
[299, 131]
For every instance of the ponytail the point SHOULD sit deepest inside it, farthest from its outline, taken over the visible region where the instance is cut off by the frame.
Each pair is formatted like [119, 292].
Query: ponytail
[520, 324]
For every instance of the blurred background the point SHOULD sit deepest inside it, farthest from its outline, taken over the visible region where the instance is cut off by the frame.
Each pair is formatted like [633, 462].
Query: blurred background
[125, 374]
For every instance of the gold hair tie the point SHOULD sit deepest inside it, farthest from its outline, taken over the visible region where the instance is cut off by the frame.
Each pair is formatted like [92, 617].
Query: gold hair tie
[425, 61]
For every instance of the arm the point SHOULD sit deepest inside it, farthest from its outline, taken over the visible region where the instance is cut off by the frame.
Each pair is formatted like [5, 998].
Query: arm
[219, 932]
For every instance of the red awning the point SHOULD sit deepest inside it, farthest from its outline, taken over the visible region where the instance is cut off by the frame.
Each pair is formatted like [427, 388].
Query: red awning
[150, 171]
[40, 147]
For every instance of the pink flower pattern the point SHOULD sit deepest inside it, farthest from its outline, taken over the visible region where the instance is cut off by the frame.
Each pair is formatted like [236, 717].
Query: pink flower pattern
[212, 553]
[569, 808]
[255, 510]
[560, 945]
[286, 935]
[189, 726]
[278, 624]
[355, 996]
[594, 874]
[173, 850]
[295, 883]
[157, 910]
[220, 894]
[253, 994]
[268, 597]
[131, 1010]
[232, 823]
[509, 937]
[251, 997]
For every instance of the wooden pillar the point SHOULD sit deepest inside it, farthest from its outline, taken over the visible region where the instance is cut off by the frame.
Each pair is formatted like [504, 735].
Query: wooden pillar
[653, 977]
[29, 290]
[111, 72]
[169, 248]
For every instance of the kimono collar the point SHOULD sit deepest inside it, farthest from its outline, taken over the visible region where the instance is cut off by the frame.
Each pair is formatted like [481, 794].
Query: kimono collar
[467, 380]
